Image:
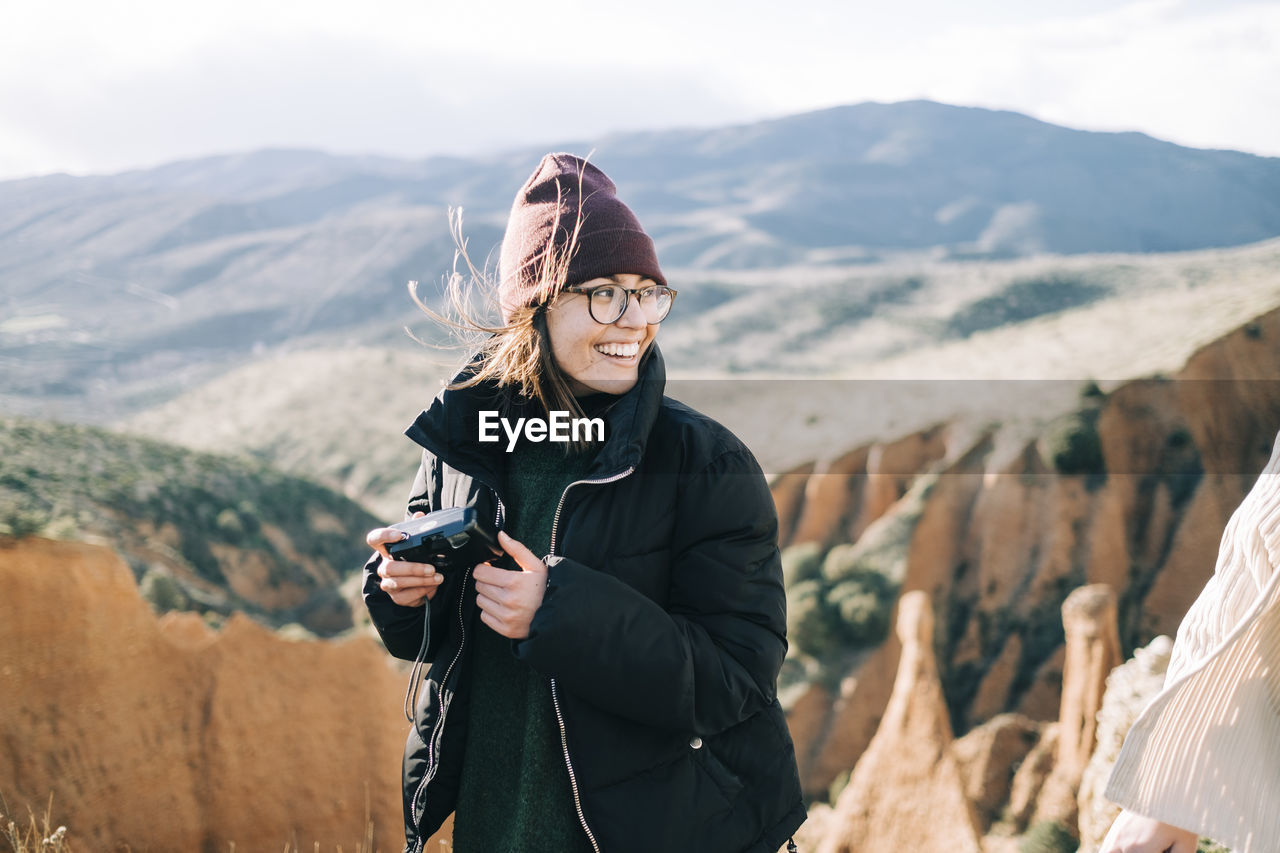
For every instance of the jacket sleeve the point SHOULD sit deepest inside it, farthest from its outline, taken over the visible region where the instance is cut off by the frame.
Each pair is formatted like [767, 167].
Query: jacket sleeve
[401, 627]
[711, 657]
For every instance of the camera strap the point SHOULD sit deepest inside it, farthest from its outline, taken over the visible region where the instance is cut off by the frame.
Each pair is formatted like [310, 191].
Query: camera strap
[415, 675]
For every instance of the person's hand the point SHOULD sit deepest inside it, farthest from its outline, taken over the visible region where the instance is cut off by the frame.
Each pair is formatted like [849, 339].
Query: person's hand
[509, 599]
[1134, 833]
[408, 584]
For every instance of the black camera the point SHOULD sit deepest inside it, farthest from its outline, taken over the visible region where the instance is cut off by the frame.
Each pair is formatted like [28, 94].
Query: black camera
[448, 539]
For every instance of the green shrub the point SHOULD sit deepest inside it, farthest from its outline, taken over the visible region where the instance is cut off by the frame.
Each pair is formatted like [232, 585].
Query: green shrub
[163, 591]
[881, 553]
[863, 604]
[1071, 444]
[843, 561]
[1023, 300]
[1180, 466]
[801, 563]
[22, 521]
[230, 525]
[1048, 836]
[883, 546]
[813, 625]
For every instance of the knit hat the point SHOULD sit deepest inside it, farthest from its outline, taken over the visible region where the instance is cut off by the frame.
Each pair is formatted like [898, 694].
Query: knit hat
[566, 192]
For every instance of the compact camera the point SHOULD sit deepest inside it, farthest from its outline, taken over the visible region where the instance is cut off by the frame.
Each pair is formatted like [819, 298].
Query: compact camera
[456, 538]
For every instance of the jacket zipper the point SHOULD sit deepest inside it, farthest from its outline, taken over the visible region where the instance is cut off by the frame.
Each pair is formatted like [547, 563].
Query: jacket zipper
[438, 729]
[555, 521]
[555, 695]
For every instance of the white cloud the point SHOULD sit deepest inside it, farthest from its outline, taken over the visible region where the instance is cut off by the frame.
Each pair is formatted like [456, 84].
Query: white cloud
[107, 86]
[345, 95]
[1202, 77]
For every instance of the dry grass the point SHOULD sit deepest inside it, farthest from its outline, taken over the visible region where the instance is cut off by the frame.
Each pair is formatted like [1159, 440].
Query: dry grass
[39, 835]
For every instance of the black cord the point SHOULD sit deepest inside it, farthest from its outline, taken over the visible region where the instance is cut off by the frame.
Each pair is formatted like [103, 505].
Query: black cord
[415, 675]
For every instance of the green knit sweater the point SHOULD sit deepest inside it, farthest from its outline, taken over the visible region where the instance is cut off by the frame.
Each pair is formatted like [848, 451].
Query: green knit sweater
[515, 796]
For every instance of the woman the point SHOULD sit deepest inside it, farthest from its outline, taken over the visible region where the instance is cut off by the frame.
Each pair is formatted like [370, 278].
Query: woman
[1203, 758]
[618, 693]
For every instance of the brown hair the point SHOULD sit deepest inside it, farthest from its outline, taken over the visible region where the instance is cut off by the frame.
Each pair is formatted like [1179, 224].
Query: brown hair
[516, 354]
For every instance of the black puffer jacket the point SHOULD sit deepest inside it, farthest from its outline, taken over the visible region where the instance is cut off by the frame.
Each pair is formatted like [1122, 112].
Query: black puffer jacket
[662, 630]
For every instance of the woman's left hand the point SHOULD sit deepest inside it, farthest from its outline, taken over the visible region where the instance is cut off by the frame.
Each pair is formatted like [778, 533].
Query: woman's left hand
[509, 599]
[1135, 833]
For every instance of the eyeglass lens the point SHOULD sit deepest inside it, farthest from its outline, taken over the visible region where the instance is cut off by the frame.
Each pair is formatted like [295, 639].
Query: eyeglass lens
[608, 304]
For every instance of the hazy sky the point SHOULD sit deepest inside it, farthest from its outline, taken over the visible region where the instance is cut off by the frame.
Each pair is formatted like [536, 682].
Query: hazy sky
[100, 87]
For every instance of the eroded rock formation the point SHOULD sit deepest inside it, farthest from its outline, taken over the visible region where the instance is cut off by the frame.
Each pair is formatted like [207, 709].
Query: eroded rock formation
[907, 791]
[1130, 687]
[1092, 651]
[1132, 491]
[988, 756]
[169, 736]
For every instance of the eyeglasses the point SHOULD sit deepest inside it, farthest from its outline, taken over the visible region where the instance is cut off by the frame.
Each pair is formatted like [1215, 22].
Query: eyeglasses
[608, 302]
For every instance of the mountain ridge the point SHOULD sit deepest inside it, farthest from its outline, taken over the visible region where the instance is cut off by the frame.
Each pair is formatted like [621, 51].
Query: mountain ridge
[122, 290]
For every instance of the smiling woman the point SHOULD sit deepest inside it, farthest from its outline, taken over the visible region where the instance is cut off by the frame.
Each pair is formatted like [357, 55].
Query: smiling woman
[600, 349]
[618, 693]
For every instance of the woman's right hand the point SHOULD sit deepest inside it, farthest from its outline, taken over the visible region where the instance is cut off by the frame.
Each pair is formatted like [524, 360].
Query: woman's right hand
[408, 584]
[1134, 833]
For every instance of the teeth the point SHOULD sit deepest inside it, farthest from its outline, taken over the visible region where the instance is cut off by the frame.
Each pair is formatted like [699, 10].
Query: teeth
[623, 350]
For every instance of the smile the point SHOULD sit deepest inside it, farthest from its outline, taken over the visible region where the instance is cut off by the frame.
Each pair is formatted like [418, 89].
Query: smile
[618, 350]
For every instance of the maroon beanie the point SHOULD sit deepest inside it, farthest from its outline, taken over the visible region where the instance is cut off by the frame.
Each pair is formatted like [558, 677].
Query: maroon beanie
[565, 192]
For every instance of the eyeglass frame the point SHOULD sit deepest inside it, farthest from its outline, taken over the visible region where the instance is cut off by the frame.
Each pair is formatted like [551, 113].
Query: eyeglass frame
[630, 291]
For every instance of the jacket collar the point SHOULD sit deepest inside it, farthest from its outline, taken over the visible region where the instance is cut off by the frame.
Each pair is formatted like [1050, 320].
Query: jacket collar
[449, 429]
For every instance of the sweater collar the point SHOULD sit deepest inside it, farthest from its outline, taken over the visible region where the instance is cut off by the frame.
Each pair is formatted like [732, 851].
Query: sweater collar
[449, 428]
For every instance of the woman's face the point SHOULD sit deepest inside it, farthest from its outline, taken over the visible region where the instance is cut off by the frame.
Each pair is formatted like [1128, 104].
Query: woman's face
[596, 357]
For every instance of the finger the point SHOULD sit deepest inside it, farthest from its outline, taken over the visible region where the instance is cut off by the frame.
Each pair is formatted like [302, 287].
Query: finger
[419, 514]
[412, 599]
[383, 535]
[502, 595]
[490, 574]
[405, 583]
[492, 606]
[380, 537]
[401, 568]
[525, 558]
[411, 582]
[493, 622]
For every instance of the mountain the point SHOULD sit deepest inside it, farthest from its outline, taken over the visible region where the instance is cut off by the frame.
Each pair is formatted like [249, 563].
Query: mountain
[881, 349]
[203, 532]
[119, 290]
